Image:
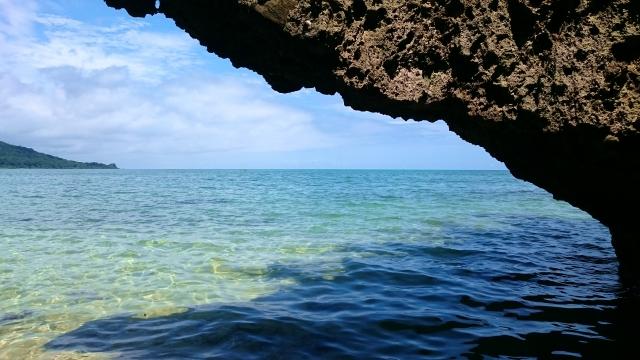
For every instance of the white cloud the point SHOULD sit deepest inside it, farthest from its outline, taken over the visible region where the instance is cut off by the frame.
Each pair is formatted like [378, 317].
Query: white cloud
[85, 91]
[79, 109]
[16, 17]
[148, 55]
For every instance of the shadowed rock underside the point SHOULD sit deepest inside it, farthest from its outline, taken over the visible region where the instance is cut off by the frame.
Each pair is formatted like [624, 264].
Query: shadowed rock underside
[549, 87]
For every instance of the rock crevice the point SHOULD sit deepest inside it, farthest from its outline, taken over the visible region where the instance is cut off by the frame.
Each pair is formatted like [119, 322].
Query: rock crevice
[549, 87]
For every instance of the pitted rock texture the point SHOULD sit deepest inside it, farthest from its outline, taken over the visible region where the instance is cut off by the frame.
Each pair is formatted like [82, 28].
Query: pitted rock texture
[549, 87]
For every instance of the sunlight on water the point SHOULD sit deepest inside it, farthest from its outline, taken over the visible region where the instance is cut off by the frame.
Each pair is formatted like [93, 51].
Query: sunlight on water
[77, 246]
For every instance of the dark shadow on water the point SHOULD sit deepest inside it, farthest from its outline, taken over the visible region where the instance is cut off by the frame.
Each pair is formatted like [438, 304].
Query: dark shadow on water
[486, 293]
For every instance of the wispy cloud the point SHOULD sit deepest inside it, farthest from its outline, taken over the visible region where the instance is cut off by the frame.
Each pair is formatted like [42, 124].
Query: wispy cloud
[81, 89]
[61, 41]
[16, 17]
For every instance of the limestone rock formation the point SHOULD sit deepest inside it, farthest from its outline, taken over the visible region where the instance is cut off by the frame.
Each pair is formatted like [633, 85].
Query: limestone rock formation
[549, 87]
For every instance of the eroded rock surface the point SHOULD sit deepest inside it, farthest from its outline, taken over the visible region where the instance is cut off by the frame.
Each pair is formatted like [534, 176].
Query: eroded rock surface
[549, 87]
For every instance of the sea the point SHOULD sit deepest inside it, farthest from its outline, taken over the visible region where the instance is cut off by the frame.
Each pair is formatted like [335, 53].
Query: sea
[303, 264]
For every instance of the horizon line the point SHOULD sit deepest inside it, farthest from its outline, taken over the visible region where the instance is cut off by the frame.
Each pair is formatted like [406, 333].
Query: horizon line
[304, 169]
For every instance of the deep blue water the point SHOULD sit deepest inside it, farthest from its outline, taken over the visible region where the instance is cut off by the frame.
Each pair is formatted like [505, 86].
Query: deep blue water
[301, 265]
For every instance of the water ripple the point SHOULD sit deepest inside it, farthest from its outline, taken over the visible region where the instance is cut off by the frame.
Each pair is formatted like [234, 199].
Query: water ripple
[303, 265]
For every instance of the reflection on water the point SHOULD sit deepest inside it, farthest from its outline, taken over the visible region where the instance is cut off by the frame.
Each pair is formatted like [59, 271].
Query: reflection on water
[302, 264]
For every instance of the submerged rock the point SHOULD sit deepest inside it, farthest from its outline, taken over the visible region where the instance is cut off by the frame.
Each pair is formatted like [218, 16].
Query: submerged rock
[551, 88]
[12, 317]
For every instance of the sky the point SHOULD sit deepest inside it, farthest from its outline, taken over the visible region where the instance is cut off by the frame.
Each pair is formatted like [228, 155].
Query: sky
[89, 83]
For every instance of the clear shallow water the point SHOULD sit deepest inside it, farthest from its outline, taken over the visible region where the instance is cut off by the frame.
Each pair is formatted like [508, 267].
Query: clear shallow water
[301, 264]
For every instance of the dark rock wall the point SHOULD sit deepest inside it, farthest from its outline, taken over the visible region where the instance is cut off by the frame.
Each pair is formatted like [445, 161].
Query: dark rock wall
[549, 87]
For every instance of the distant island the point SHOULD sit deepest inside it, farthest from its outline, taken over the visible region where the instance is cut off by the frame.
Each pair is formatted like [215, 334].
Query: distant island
[19, 157]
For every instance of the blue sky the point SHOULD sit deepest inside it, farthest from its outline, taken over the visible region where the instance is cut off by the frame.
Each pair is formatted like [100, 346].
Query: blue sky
[86, 82]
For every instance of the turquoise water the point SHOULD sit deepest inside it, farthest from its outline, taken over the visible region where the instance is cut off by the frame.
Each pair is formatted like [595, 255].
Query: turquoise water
[299, 264]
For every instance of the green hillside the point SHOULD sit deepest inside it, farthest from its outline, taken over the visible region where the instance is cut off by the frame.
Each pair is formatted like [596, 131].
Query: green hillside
[18, 157]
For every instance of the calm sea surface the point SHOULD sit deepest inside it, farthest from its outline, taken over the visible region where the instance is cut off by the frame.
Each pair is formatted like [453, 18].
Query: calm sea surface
[302, 264]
